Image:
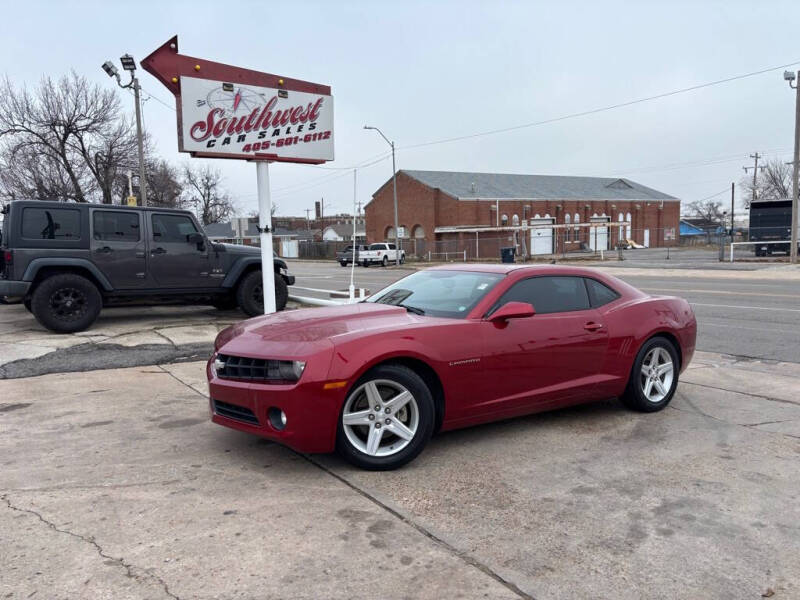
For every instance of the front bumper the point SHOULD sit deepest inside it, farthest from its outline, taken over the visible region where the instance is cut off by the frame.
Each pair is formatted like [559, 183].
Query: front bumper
[312, 413]
[10, 287]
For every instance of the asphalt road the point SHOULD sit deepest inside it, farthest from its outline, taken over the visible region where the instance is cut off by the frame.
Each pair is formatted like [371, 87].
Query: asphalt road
[743, 317]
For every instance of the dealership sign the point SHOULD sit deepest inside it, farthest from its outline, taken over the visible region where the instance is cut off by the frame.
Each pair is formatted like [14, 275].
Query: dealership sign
[248, 121]
[231, 112]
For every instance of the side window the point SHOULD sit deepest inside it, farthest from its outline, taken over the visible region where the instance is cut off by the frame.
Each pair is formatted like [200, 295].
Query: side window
[392, 246]
[51, 224]
[599, 293]
[115, 226]
[549, 294]
[172, 229]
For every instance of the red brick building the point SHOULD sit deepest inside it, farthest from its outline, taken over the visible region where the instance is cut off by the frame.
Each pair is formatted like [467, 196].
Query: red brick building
[547, 214]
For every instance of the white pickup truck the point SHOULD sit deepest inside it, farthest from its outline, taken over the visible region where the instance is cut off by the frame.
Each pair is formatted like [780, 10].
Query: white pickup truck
[382, 253]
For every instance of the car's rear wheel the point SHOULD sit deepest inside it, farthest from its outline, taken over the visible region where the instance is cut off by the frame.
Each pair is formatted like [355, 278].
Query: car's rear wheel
[27, 304]
[343, 263]
[66, 303]
[250, 294]
[386, 420]
[385, 260]
[654, 376]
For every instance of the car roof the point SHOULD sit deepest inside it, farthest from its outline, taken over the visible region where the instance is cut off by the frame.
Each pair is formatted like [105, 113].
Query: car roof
[57, 204]
[506, 268]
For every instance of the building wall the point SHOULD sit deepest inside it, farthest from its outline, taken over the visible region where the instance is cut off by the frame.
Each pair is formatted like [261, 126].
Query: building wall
[419, 204]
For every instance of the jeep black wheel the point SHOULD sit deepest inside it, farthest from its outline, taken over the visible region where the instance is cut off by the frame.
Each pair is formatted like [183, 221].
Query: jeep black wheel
[66, 303]
[250, 294]
[27, 304]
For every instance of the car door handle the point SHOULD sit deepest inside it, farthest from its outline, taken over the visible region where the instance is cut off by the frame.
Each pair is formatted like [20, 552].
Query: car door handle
[592, 326]
[158, 250]
[104, 250]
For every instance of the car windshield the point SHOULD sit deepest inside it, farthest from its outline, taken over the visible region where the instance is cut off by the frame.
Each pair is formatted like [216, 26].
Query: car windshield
[438, 293]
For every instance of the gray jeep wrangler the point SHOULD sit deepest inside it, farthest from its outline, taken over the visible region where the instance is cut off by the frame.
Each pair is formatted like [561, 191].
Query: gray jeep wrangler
[67, 261]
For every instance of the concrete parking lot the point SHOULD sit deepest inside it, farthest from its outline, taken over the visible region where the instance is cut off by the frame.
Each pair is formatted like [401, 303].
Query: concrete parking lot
[115, 485]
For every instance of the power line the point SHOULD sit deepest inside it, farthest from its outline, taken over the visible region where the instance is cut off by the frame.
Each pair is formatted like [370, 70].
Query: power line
[601, 109]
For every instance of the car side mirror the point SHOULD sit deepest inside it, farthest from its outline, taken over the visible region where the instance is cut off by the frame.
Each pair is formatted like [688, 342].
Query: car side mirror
[512, 310]
[198, 239]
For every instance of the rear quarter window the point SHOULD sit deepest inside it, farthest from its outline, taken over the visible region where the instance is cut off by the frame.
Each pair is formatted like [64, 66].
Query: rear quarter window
[599, 293]
[62, 224]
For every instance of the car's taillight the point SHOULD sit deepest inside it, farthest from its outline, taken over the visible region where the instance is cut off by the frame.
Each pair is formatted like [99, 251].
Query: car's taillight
[8, 257]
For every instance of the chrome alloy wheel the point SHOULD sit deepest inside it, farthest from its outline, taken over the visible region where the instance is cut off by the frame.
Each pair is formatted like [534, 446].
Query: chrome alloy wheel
[657, 374]
[380, 417]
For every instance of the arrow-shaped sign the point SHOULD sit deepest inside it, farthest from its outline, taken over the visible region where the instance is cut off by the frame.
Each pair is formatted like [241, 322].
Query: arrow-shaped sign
[166, 65]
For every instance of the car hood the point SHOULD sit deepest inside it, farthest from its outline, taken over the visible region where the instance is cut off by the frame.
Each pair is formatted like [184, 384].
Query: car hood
[242, 249]
[297, 333]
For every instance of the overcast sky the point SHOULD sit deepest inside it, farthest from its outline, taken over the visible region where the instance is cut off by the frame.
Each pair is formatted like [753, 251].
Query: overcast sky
[433, 70]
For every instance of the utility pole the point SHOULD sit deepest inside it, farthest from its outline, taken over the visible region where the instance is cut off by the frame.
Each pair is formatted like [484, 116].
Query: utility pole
[755, 156]
[128, 64]
[394, 186]
[308, 219]
[790, 77]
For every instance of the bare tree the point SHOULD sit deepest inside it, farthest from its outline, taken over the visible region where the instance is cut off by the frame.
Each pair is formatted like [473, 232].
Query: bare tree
[67, 138]
[710, 210]
[203, 185]
[164, 187]
[773, 183]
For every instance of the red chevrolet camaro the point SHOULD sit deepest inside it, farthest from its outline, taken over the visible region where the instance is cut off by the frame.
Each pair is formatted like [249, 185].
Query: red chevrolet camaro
[444, 348]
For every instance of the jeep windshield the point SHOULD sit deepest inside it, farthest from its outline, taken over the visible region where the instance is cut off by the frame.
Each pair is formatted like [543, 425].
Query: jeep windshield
[451, 294]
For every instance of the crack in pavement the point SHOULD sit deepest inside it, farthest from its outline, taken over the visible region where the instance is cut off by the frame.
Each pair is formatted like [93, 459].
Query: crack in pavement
[754, 395]
[129, 568]
[462, 555]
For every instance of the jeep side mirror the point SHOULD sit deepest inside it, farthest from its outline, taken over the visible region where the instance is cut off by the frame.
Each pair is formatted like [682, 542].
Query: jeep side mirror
[198, 239]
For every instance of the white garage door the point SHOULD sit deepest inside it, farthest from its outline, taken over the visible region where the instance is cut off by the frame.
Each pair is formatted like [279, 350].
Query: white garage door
[541, 237]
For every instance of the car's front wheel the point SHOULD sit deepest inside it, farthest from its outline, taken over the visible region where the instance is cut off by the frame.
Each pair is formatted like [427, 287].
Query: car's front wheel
[386, 420]
[385, 260]
[654, 376]
[66, 303]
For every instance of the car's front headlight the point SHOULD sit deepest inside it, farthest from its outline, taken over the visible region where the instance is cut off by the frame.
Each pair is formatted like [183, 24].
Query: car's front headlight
[257, 369]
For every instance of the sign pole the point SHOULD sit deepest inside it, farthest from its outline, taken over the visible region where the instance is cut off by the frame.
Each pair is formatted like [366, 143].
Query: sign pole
[265, 231]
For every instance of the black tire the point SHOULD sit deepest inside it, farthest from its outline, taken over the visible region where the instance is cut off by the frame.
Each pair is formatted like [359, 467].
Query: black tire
[250, 295]
[385, 261]
[634, 396]
[66, 303]
[27, 304]
[402, 258]
[224, 302]
[365, 264]
[343, 263]
[425, 412]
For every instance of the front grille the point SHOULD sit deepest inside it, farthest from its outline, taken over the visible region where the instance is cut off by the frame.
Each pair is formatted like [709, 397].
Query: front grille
[241, 367]
[235, 412]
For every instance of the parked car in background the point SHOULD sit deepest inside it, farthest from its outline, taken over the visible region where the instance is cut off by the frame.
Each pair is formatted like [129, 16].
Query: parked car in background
[445, 348]
[67, 261]
[345, 257]
[383, 253]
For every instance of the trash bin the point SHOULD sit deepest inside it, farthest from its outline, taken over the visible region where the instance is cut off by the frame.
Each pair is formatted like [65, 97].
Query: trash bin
[507, 254]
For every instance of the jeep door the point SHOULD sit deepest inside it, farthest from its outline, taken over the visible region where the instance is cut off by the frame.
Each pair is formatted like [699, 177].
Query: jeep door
[176, 261]
[118, 247]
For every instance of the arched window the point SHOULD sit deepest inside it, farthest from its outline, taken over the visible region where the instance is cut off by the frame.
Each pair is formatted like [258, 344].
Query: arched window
[628, 226]
[567, 230]
[576, 234]
[389, 233]
[418, 232]
[621, 232]
[503, 220]
[515, 220]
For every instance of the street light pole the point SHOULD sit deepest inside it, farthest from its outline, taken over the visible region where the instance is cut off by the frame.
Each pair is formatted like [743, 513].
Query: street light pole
[140, 142]
[394, 185]
[790, 77]
[129, 64]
